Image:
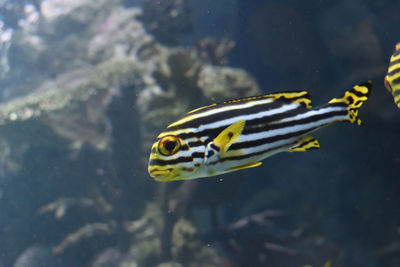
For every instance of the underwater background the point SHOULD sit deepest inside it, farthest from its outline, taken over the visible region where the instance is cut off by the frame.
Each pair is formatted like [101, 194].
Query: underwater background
[87, 85]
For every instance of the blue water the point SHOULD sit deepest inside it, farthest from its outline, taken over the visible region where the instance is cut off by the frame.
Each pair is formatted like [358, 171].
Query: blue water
[84, 92]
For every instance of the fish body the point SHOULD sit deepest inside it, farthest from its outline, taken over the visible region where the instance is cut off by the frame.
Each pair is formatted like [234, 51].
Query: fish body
[238, 134]
[392, 78]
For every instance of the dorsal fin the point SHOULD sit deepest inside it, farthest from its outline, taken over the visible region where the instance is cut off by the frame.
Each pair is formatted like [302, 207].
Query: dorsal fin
[302, 97]
[291, 96]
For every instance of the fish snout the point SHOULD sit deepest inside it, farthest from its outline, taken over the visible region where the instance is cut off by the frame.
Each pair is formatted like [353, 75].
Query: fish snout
[159, 174]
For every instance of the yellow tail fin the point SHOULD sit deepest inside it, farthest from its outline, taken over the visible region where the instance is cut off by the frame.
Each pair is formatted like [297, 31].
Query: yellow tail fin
[353, 99]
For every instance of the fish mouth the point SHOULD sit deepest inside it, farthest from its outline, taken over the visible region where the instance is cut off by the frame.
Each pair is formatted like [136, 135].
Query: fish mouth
[160, 175]
[166, 175]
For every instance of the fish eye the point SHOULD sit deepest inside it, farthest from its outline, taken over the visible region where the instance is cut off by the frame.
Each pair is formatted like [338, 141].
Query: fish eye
[169, 145]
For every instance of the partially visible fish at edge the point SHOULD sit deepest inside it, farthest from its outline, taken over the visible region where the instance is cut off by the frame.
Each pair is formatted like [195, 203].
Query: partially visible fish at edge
[392, 78]
[238, 134]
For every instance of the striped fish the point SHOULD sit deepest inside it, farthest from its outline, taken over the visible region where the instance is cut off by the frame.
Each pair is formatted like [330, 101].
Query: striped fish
[238, 134]
[392, 78]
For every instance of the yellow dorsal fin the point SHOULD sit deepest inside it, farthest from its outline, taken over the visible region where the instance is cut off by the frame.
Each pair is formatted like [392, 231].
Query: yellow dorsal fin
[201, 108]
[304, 144]
[226, 138]
[302, 97]
[246, 166]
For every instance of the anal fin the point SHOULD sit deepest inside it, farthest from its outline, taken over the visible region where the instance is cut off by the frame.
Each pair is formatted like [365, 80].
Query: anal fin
[246, 166]
[304, 144]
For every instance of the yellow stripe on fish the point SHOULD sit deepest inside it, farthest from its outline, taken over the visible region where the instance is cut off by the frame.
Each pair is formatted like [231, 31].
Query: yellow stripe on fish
[238, 134]
[392, 78]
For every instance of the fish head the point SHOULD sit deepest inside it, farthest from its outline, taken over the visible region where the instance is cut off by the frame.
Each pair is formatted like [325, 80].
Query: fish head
[172, 159]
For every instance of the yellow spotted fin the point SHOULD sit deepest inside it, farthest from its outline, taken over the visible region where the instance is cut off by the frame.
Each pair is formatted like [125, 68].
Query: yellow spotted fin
[353, 99]
[226, 138]
[304, 144]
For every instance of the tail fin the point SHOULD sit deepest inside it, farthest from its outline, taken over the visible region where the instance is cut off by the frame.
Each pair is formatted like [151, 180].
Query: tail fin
[353, 99]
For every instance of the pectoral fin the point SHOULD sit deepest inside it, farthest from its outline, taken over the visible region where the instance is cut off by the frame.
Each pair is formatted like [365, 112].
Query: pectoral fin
[304, 144]
[246, 166]
[226, 138]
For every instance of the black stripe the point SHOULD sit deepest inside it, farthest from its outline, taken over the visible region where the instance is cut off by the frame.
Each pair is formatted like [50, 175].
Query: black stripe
[396, 81]
[185, 148]
[275, 138]
[213, 132]
[396, 53]
[314, 118]
[251, 154]
[271, 120]
[195, 123]
[254, 123]
[262, 124]
[198, 155]
[393, 72]
[396, 93]
[195, 143]
[336, 104]
[275, 117]
[245, 100]
[267, 140]
[357, 93]
[213, 146]
[161, 162]
[210, 153]
[394, 62]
